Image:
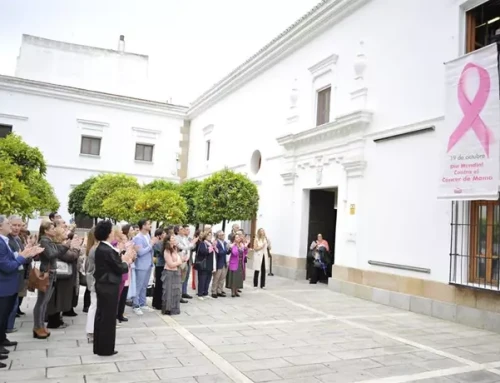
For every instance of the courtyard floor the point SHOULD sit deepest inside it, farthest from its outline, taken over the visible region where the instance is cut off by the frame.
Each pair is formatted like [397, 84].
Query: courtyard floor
[289, 333]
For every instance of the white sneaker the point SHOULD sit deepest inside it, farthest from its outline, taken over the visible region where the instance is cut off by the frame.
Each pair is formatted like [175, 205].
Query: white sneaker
[138, 311]
[147, 309]
[201, 298]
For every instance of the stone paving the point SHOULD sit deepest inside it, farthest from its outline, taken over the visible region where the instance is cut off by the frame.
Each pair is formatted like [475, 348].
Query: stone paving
[291, 332]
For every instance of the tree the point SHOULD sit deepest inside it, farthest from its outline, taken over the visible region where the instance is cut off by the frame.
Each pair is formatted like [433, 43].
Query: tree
[162, 206]
[188, 191]
[102, 188]
[28, 159]
[77, 197]
[226, 196]
[161, 185]
[42, 196]
[14, 195]
[120, 205]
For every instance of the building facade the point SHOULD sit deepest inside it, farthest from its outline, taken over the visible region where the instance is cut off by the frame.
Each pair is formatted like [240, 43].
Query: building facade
[84, 125]
[339, 121]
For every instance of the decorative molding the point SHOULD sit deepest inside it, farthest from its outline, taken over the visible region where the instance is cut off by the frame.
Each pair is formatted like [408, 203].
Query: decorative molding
[404, 129]
[407, 134]
[207, 130]
[323, 66]
[275, 157]
[355, 167]
[92, 126]
[400, 267]
[288, 178]
[62, 92]
[354, 123]
[13, 117]
[150, 134]
[207, 174]
[320, 18]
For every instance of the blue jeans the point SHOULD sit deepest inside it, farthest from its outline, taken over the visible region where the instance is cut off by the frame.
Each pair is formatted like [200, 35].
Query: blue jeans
[185, 283]
[12, 316]
[142, 280]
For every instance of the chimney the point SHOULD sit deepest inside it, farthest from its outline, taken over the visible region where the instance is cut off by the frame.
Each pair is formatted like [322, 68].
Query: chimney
[121, 44]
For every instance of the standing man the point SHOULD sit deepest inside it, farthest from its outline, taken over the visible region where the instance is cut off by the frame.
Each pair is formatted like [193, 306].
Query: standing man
[9, 281]
[143, 264]
[223, 249]
[159, 261]
[54, 216]
[234, 231]
[186, 246]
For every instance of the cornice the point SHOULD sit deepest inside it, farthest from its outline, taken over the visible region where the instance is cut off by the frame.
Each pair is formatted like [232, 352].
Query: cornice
[13, 117]
[324, 65]
[403, 129]
[62, 92]
[354, 124]
[312, 24]
[288, 178]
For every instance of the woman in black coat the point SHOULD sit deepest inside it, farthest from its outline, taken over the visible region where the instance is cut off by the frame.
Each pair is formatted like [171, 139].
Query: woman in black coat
[109, 268]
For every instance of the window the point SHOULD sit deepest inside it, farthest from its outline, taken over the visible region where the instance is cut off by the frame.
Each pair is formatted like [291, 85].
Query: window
[144, 152]
[208, 150]
[482, 24]
[90, 146]
[323, 106]
[475, 245]
[5, 130]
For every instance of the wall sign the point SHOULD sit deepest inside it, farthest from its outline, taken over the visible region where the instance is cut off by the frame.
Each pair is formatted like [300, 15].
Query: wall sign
[352, 209]
[470, 141]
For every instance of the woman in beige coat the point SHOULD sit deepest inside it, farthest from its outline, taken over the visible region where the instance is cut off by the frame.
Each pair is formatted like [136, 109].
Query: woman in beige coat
[260, 258]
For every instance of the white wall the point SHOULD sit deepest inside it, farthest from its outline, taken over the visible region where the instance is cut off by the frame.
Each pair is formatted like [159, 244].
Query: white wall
[398, 218]
[55, 126]
[82, 67]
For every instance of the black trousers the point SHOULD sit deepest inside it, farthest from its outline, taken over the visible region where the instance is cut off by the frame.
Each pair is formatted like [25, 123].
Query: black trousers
[105, 318]
[158, 290]
[86, 299]
[204, 278]
[6, 307]
[122, 302]
[262, 274]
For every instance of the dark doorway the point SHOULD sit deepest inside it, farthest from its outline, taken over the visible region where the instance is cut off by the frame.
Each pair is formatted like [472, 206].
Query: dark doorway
[322, 220]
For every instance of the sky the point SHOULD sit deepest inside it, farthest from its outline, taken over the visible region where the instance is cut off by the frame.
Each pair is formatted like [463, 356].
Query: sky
[191, 44]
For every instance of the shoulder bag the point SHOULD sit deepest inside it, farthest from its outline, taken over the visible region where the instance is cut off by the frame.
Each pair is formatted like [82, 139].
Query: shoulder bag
[38, 280]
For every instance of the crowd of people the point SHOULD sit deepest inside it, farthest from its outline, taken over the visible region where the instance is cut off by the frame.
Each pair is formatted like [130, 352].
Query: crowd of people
[115, 265]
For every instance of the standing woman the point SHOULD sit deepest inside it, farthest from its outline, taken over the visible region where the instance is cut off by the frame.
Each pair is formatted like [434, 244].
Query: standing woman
[109, 269]
[205, 263]
[89, 273]
[260, 259]
[171, 277]
[159, 261]
[236, 263]
[48, 263]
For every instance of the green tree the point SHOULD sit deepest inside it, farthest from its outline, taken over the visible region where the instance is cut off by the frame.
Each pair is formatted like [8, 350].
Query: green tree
[162, 206]
[28, 159]
[161, 185]
[226, 196]
[102, 188]
[120, 205]
[77, 197]
[188, 190]
[14, 195]
[42, 196]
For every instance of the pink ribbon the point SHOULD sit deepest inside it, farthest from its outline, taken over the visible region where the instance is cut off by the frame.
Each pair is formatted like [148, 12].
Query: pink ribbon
[471, 110]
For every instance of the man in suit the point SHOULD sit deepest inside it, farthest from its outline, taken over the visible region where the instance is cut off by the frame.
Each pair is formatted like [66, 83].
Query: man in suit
[9, 281]
[143, 265]
[223, 249]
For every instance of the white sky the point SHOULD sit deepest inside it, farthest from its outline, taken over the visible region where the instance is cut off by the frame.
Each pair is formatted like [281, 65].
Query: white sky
[191, 43]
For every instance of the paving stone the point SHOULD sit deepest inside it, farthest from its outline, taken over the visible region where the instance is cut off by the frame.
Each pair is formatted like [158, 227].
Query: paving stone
[120, 357]
[122, 377]
[214, 379]
[34, 374]
[475, 376]
[44, 362]
[263, 364]
[184, 372]
[262, 376]
[310, 359]
[82, 370]
[302, 371]
[237, 357]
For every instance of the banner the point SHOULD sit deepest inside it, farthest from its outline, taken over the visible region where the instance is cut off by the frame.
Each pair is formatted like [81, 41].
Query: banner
[470, 141]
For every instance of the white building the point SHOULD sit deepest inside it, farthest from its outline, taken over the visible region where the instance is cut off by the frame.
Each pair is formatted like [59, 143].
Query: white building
[68, 100]
[339, 122]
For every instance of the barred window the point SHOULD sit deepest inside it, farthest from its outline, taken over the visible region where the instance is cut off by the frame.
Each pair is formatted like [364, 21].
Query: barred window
[475, 244]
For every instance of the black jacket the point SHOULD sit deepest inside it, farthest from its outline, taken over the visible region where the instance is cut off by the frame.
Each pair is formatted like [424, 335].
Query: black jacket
[108, 265]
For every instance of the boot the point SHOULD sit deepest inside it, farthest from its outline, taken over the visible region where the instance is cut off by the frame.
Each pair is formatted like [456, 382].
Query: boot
[46, 330]
[39, 333]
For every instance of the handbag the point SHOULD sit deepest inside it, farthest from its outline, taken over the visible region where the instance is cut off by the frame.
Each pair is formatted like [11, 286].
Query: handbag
[38, 280]
[64, 270]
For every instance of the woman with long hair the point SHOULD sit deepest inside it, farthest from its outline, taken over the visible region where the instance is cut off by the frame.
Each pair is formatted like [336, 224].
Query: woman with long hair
[89, 273]
[205, 263]
[260, 259]
[171, 277]
[236, 264]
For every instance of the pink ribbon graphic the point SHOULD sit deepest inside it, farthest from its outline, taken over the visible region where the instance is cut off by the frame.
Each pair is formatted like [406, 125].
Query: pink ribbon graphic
[471, 110]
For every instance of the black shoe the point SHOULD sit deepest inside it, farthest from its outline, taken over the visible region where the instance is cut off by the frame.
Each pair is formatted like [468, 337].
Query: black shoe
[19, 312]
[3, 357]
[4, 351]
[222, 295]
[187, 296]
[85, 310]
[215, 296]
[184, 301]
[165, 312]
[70, 313]
[3, 365]
[239, 291]
[8, 343]
[18, 315]
[271, 274]
[122, 319]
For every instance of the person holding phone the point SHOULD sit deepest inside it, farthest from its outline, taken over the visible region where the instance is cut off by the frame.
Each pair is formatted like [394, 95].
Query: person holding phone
[10, 263]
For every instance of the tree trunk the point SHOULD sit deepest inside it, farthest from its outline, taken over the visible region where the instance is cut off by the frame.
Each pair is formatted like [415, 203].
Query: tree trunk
[95, 221]
[224, 225]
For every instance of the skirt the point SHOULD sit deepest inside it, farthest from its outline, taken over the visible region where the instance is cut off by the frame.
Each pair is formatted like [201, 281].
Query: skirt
[235, 279]
[172, 292]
